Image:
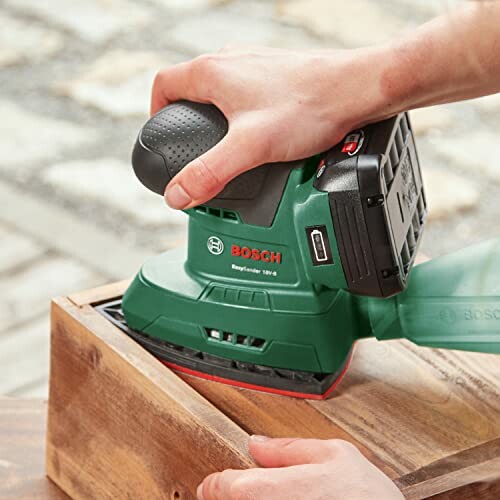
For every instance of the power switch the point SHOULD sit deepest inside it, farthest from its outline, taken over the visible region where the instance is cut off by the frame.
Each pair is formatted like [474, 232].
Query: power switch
[319, 245]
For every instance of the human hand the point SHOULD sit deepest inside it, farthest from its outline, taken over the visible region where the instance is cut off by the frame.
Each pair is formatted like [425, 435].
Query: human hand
[281, 106]
[305, 469]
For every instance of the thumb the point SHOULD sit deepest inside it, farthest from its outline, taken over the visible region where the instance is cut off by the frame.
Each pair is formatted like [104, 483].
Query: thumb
[284, 452]
[207, 175]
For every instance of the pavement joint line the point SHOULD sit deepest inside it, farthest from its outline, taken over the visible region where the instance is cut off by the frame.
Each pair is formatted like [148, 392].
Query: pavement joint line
[23, 323]
[32, 384]
[69, 235]
[20, 266]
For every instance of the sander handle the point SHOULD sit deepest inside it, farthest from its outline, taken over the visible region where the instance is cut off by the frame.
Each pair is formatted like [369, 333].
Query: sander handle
[183, 131]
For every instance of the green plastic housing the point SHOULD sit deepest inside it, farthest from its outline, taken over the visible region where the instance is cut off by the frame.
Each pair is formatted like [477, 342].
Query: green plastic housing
[291, 314]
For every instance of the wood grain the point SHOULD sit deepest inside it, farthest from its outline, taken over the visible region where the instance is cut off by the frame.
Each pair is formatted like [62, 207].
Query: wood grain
[408, 406]
[100, 294]
[477, 465]
[22, 443]
[121, 422]
[429, 418]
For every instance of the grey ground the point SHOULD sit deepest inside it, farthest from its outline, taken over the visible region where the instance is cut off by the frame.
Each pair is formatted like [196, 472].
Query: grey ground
[74, 83]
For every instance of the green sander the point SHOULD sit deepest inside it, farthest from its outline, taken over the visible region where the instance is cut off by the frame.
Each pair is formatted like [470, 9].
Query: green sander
[292, 263]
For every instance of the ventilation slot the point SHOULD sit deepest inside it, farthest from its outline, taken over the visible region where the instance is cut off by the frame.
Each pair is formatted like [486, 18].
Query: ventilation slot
[235, 339]
[229, 215]
[217, 212]
[413, 235]
[395, 150]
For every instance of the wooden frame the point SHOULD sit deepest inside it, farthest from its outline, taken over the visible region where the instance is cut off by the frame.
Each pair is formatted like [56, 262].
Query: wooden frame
[121, 424]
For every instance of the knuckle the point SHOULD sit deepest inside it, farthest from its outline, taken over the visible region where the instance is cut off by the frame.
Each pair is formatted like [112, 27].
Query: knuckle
[243, 488]
[158, 79]
[340, 448]
[204, 177]
[216, 485]
[206, 64]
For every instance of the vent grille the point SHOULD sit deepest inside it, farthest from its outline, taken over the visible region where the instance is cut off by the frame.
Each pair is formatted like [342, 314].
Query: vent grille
[218, 212]
[216, 335]
[396, 149]
[400, 162]
[413, 235]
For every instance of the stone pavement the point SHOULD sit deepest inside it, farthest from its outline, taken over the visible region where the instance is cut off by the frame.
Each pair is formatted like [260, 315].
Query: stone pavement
[74, 90]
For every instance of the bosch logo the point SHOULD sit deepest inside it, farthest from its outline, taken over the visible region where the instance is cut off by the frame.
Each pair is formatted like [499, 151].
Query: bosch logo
[215, 245]
[256, 254]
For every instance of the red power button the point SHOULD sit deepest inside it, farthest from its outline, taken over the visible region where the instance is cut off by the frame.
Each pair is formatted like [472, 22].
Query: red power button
[353, 143]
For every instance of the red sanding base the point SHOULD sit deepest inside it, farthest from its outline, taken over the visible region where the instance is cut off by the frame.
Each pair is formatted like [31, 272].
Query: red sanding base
[271, 390]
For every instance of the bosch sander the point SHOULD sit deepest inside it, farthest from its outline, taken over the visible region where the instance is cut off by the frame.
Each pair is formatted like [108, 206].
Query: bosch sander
[292, 263]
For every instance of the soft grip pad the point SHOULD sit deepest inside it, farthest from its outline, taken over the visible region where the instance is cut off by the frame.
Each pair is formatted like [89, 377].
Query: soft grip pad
[185, 130]
[172, 138]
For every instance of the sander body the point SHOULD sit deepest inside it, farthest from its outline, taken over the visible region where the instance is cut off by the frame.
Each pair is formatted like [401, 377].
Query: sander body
[292, 263]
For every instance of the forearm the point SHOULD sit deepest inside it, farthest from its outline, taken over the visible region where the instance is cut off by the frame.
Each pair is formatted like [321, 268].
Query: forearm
[453, 57]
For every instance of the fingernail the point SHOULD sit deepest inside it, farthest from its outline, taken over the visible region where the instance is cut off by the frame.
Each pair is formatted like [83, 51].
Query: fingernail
[177, 198]
[259, 439]
[199, 492]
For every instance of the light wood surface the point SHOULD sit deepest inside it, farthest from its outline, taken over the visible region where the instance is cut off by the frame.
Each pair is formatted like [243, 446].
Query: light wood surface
[22, 443]
[429, 418]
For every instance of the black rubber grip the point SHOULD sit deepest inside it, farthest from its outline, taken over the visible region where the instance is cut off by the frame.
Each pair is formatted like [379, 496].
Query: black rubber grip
[185, 130]
[172, 138]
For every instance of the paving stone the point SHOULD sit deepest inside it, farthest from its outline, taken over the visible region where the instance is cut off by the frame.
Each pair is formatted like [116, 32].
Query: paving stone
[27, 293]
[28, 138]
[489, 104]
[24, 356]
[477, 152]
[16, 249]
[21, 41]
[93, 20]
[354, 23]
[113, 254]
[426, 120]
[213, 30]
[186, 5]
[111, 183]
[118, 83]
[448, 193]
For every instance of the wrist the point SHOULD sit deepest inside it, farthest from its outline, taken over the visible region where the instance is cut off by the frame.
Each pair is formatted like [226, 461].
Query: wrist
[363, 86]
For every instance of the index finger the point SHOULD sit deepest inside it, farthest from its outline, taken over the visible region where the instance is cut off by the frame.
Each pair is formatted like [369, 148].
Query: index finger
[180, 81]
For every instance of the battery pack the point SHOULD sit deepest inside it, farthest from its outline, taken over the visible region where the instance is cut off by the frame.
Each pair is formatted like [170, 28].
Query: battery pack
[378, 205]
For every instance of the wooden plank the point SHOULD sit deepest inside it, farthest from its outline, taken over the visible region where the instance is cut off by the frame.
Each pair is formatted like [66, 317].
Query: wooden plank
[414, 406]
[119, 421]
[408, 407]
[429, 418]
[479, 464]
[22, 443]
[277, 416]
[477, 490]
[101, 294]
